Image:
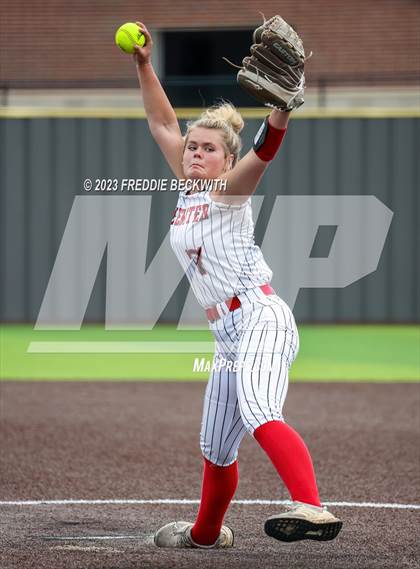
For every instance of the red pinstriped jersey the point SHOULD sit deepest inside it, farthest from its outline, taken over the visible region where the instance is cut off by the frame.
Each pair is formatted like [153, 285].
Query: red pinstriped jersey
[215, 245]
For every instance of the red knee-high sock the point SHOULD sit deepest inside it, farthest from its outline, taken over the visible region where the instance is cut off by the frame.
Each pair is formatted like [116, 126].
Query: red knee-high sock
[218, 489]
[291, 458]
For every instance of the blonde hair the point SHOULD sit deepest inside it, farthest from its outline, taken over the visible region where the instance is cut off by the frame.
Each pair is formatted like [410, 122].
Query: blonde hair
[226, 118]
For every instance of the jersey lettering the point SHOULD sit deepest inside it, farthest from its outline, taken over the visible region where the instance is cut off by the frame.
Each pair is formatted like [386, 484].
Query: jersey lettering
[195, 214]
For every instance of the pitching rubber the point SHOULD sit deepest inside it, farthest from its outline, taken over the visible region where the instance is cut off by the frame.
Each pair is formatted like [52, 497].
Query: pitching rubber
[293, 529]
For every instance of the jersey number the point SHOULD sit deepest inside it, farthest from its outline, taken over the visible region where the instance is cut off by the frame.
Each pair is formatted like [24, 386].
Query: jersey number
[195, 255]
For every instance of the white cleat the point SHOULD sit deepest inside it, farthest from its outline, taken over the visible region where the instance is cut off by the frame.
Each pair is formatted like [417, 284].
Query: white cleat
[178, 534]
[303, 521]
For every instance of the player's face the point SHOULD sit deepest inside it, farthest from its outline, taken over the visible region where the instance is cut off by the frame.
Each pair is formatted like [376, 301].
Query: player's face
[205, 154]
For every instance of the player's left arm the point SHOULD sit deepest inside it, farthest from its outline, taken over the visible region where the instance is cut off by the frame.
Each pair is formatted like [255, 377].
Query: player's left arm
[244, 177]
[274, 75]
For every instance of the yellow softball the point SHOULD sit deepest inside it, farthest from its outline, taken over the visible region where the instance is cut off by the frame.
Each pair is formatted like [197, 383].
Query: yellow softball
[128, 35]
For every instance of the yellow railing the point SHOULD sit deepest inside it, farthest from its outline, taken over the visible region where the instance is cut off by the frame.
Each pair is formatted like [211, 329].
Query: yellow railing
[185, 113]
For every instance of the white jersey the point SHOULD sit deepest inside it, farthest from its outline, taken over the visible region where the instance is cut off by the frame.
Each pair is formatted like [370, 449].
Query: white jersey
[214, 243]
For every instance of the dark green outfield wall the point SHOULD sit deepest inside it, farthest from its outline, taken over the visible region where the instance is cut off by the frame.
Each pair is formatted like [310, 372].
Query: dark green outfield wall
[43, 162]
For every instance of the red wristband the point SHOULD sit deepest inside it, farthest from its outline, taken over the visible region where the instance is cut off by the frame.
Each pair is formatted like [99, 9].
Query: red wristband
[268, 140]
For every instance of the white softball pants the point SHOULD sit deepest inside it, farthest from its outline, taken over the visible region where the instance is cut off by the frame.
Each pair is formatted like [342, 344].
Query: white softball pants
[255, 347]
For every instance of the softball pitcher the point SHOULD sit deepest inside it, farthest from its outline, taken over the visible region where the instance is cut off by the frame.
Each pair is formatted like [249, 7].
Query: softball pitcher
[212, 234]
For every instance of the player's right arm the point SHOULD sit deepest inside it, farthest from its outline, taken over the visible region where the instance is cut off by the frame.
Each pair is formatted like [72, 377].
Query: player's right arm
[161, 117]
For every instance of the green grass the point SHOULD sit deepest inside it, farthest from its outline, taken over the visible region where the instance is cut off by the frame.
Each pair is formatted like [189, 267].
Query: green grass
[327, 353]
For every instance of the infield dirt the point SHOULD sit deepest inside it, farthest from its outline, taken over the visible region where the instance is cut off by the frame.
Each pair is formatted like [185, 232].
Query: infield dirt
[140, 441]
